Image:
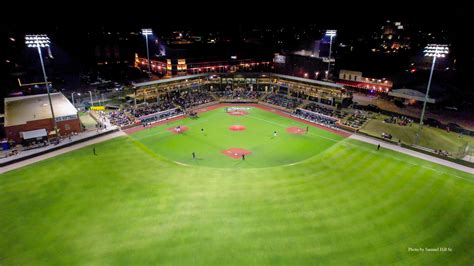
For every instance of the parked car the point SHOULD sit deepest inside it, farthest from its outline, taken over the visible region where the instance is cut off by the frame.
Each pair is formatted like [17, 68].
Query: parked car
[452, 108]
[373, 108]
[399, 103]
[386, 135]
[454, 126]
[432, 122]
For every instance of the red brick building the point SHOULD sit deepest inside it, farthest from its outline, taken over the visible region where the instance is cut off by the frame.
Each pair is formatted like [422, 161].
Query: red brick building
[25, 114]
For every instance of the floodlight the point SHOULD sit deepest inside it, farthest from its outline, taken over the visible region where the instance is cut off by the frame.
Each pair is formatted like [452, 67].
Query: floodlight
[436, 50]
[37, 40]
[147, 32]
[331, 33]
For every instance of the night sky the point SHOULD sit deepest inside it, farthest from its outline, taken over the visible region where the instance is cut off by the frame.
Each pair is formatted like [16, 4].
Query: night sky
[67, 21]
[353, 14]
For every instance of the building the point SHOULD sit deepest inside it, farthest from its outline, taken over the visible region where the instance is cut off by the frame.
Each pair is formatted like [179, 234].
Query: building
[188, 59]
[181, 66]
[393, 36]
[354, 79]
[296, 64]
[29, 117]
[412, 96]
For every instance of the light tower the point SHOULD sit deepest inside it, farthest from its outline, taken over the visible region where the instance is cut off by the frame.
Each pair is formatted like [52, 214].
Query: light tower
[92, 101]
[147, 32]
[39, 41]
[431, 50]
[331, 34]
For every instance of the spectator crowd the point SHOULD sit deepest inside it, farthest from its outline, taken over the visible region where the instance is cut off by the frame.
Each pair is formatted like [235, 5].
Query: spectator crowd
[151, 108]
[120, 118]
[173, 101]
[188, 99]
[313, 107]
[315, 117]
[283, 101]
[239, 93]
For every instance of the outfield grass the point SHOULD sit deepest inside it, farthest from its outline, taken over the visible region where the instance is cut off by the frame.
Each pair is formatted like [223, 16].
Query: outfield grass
[433, 138]
[346, 205]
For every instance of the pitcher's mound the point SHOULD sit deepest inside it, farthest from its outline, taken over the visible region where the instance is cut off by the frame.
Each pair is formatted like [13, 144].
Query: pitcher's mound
[236, 153]
[176, 130]
[296, 130]
[237, 128]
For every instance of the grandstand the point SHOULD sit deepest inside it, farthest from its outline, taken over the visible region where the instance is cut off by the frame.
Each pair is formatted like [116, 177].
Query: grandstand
[161, 99]
[246, 85]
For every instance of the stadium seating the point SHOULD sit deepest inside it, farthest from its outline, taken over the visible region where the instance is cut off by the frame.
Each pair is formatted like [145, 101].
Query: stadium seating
[315, 117]
[120, 118]
[283, 101]
[160, 116]
[164, 107]
[238, 93]
[188, 99]
[324, 110]
[150, 108]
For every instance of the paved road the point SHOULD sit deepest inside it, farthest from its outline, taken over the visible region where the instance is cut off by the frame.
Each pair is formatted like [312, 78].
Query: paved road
[60, 151]
[416, 154]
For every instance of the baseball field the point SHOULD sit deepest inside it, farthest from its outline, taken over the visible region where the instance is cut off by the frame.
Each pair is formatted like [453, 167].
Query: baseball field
[245, 186]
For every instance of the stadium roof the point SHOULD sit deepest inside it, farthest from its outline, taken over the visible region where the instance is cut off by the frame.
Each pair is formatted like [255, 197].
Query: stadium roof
[310, 81]
[410, 95]
[154, 82]
[19, 110]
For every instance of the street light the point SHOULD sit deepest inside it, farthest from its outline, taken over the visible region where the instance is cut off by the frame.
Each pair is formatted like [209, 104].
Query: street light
[72, 96]
[97, 97]
[331, 34]
[92, 101]
[431, 50]
[147, 32]
[40, 41]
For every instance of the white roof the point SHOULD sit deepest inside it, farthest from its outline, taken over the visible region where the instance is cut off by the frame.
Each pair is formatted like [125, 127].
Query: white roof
[310, 81]
[411, 95]
[180, 78]
[166, 80]
[34, 134]
[19, 110]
